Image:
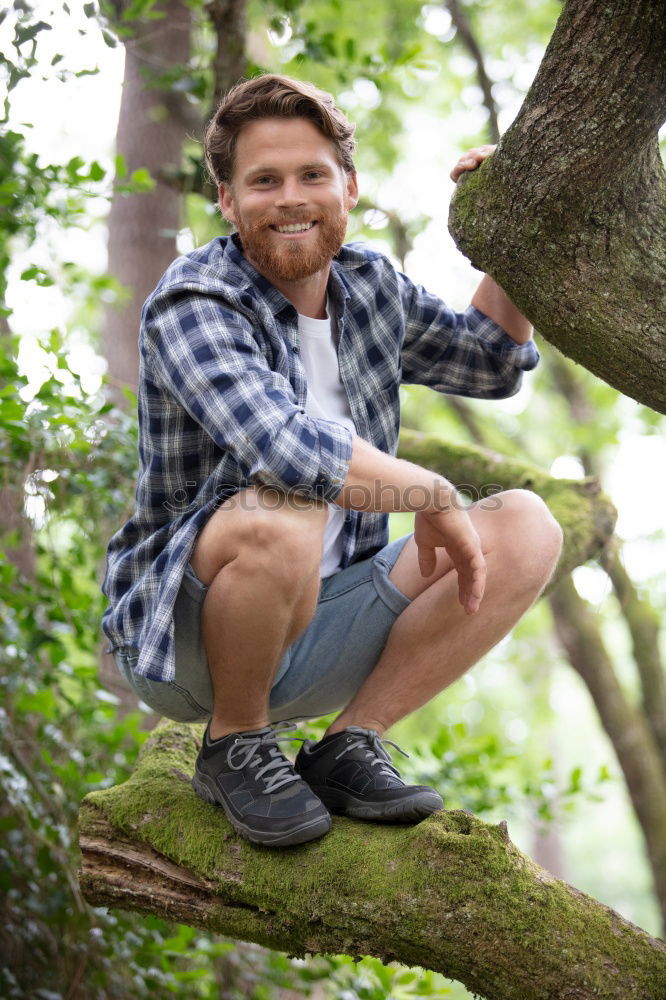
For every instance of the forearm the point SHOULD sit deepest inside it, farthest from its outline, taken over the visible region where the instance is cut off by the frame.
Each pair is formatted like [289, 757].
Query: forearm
[490, 299]
[379, 482]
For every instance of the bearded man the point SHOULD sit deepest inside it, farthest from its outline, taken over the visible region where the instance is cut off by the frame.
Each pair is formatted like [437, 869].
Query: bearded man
[254, 585]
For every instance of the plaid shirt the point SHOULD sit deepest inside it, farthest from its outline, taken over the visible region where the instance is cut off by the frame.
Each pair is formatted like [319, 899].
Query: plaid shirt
[221, 402]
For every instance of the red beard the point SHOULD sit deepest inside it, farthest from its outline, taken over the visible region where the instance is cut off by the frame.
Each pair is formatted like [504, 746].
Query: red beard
[293, 260]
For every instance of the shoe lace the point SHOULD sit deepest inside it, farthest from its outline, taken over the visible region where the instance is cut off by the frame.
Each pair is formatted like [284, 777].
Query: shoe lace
[248, 748]
[370, 741]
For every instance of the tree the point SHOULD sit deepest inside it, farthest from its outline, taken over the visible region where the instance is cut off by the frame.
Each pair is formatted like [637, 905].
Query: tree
[638, 736]
[569, 214]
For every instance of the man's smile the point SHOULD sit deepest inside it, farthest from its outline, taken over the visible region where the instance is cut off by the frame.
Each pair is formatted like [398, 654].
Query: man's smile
[294, 227]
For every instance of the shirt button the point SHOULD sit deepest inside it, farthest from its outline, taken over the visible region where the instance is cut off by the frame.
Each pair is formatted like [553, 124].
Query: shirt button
[296, 349]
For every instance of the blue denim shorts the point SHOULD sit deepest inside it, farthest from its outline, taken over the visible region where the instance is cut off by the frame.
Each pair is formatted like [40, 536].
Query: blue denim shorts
[319, 673]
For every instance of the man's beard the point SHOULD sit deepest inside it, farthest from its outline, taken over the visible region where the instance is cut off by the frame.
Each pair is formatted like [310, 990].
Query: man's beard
[293, 261]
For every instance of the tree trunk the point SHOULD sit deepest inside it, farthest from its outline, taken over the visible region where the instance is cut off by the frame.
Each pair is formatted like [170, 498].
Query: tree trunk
[627, 728]
[229, 21]
[451, 894]
[143, 226]
[644, 627]
[569, 214]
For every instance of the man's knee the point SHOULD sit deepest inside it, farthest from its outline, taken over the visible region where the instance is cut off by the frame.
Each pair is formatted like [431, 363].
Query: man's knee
[264, 529]
[288, 528]
[530, 535]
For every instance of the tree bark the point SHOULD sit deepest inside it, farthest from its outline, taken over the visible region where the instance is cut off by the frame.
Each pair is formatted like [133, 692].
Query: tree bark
[143, 226]
[569, 214]
[451, 894]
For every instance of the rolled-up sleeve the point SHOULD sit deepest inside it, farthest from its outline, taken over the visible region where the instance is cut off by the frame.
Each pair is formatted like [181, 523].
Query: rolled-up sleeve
[202, 352]
[465, 354]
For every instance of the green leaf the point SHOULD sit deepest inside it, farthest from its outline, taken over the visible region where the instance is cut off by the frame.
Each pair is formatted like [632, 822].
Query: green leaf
[96, 172]
[120, 165]
[28, 32]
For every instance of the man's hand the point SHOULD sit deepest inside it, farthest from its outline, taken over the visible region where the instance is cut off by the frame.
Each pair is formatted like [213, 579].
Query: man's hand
[453, 530]
[470, 160]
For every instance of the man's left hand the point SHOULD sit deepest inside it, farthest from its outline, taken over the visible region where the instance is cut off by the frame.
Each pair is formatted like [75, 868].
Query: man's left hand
[471, 159]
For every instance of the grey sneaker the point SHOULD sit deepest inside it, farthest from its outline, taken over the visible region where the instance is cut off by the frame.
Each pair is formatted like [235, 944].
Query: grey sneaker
[352, 774]
[263, 798]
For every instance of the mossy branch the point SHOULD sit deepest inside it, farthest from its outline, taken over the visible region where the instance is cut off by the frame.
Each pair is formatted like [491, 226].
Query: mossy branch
[452, 894]
[569, 214]
[585, 514]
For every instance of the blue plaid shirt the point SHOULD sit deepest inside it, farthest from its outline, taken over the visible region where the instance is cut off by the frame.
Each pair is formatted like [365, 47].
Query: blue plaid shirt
[221, 402]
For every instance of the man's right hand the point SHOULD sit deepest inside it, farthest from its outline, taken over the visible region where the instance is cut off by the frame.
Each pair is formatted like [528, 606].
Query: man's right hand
[379, 482]
[453, 530]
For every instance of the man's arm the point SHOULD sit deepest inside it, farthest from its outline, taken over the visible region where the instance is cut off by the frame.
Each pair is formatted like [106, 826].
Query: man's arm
[379, 482]
[202, 352]
[489, 297]
[491, 300]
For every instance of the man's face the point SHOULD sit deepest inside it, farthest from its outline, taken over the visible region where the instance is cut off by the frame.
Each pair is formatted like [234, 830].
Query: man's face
[289, 198]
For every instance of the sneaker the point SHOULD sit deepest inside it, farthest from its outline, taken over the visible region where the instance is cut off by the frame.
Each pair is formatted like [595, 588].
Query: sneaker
[263, 798]
[352, 774]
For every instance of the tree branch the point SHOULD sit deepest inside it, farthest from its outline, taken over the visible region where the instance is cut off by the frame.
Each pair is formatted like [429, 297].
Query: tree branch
[464, 31]
[632, 740]
[569, 215]
[451, 894]
[640, 616]
[586, 516]
[643, 622]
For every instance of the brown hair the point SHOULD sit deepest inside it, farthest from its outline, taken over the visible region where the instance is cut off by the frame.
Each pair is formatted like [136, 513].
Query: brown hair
[273, 96]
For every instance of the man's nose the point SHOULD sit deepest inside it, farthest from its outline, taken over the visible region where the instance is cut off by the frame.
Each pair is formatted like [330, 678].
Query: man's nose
[290, 194]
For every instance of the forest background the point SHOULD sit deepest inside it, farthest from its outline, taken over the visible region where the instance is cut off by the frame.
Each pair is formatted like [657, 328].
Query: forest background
[519, 738]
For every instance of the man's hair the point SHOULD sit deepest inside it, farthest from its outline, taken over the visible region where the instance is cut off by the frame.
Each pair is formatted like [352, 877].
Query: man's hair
[273, 96]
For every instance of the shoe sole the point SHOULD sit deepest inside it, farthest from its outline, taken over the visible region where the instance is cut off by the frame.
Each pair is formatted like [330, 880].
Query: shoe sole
[411, 810]
[301, 834]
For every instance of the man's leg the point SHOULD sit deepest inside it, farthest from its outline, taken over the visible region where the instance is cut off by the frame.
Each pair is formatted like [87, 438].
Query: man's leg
[430, 644]
[259, 555]
[433, 641]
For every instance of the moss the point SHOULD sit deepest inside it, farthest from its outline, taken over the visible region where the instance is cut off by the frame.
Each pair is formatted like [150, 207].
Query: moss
[586, 516]
[428, 894]
[581, 252]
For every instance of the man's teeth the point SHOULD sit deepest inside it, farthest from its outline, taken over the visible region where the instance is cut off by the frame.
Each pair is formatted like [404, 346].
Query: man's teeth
[299, 227]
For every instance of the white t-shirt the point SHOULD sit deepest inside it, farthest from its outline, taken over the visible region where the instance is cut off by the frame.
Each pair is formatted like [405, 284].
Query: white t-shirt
[326, 398]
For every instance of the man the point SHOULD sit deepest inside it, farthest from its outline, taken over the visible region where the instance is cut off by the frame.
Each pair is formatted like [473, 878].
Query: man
[254, 584]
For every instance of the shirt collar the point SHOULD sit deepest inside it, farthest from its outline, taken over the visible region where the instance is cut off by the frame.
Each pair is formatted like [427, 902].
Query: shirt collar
[233, 252]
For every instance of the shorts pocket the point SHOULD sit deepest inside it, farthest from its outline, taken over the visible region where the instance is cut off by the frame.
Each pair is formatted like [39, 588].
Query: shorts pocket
[166, 698]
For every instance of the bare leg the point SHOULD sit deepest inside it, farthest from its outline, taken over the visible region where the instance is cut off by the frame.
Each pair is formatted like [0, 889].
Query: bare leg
[433, 641]
[259, 555]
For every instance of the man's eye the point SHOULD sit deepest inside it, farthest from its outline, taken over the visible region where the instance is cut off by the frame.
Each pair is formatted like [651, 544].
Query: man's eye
[263, 180]
[313, 175]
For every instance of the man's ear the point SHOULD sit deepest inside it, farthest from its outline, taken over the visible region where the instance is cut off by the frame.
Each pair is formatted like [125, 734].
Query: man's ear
[352, 191]
[226, 203]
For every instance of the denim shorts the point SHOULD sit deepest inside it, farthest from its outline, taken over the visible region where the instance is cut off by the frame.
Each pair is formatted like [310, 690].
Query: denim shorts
[319, 673]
